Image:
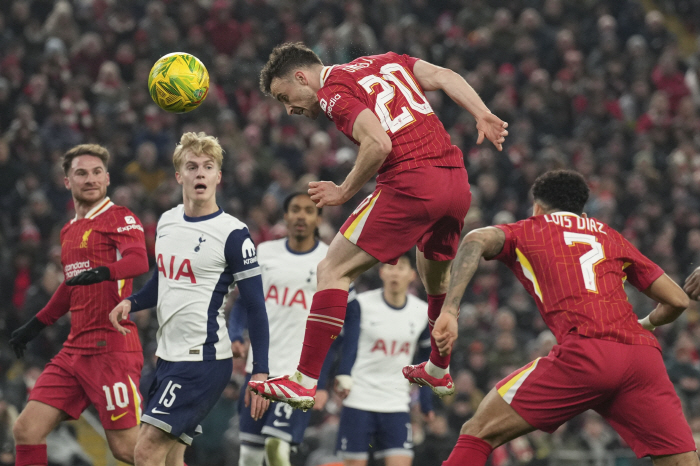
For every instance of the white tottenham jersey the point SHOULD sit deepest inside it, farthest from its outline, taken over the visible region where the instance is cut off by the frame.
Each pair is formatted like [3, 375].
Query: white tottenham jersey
[199, 260]
[289, 284]
[388, 340]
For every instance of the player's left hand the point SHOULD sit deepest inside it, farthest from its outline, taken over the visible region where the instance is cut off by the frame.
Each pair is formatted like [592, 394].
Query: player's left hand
[320, 400]
[692, 285]
[119, 313]
[90, 277]
[492, 128]
[258, 404]
[325, 193]
[445, 332]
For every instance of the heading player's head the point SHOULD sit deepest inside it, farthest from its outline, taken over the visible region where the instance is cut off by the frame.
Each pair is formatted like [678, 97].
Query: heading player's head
[292, 75]
[197, 160]
[560, 190]
[301, 216]
[397, 278]
[85, 169]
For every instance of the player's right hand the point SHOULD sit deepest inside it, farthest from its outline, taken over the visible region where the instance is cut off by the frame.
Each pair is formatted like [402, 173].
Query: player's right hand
[258, 404]
[119, 313]
[445, 332]
[492, 128]
[692, 285]
[343, 384]
[239, 349]
[25, 334]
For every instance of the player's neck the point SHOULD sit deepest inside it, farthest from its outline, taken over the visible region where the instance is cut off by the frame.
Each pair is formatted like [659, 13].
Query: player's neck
[82, 208]
[196, 209]
[397, 300]
[301, 244]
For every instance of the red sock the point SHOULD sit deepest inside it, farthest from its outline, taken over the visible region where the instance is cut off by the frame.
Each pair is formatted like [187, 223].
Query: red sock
[31, 455]
[323, 325]
[469, 451]
[434, 307]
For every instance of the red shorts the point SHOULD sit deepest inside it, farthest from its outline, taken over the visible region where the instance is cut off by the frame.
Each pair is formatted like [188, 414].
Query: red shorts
[110, 381]
[423, 206]
[626, 384]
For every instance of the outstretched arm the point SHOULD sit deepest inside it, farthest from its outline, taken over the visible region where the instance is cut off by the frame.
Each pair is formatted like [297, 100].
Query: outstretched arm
[432, 78]
[672, 302]
[375, 146]
[484, 242]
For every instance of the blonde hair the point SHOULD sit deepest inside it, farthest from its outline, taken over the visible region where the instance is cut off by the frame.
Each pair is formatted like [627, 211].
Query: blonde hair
[198, 143]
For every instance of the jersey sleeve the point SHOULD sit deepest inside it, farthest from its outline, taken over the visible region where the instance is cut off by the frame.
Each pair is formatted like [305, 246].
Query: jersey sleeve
[241, 256]
[641, 271]
[340, 105]
[507, 254]
[126, 231]
[409, 61]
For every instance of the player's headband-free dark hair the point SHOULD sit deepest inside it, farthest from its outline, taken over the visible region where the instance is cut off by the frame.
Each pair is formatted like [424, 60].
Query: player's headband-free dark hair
[563, 190]
[84, 149]
[283, 59]
[288, 201]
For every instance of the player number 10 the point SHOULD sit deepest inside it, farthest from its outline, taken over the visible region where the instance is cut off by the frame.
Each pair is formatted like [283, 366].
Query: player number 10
[387, 93]
[121, 396]
[590, 259]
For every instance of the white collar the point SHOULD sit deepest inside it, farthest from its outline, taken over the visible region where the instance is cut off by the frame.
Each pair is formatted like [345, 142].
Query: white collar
[325, 72]
[97, 210]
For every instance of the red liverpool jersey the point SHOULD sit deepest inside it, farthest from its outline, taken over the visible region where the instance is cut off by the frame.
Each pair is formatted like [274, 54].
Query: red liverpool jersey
[94, 241]
[575, 268]
[386, 85]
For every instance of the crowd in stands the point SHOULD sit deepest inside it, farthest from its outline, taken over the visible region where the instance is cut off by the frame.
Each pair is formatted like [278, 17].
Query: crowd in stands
[597, 86]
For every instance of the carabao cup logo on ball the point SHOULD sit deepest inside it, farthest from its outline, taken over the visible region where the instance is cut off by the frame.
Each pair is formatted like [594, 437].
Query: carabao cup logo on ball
[178, 82]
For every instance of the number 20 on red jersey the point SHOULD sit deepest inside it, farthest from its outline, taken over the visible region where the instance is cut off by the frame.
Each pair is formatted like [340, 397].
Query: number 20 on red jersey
[395, 77]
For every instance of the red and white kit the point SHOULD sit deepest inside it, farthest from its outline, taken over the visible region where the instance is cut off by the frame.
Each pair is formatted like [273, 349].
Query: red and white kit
[575, 268]
[422, 192]
[97, 364]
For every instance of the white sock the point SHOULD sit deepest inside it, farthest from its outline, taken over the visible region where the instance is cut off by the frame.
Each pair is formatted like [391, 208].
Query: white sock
[304, 380]
[435, 371]
[251, 456]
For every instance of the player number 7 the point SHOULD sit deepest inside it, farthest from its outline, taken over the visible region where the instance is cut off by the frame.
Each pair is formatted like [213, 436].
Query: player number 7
[588, 260]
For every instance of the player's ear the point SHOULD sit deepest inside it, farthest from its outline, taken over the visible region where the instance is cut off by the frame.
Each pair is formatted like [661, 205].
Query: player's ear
[300, 77]
[178, 177]
[108, 182]
[218, 177]
[584, 215]
[66, 182]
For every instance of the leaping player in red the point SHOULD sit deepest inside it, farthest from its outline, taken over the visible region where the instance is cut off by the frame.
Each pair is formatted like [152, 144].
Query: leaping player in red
[102, 249]
[606, 360]
[422, 192]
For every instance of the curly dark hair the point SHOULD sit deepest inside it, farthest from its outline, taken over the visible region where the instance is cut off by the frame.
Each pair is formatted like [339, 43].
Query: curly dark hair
[283, 59]
[561, 190]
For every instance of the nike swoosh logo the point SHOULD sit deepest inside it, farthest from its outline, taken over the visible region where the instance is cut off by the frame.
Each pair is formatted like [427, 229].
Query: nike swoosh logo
[114, 418]
[157, 411]
[277, 423]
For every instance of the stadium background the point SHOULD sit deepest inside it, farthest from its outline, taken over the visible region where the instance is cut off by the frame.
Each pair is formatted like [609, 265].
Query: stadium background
[610, 88]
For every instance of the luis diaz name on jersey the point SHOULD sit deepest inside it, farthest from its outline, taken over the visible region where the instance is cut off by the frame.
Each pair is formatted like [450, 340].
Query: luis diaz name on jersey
[177, 269]
[391, 347]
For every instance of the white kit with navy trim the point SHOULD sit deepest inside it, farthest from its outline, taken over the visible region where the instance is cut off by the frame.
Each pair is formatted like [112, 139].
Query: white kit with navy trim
[199, 260]
[289, 284]
[387, 343]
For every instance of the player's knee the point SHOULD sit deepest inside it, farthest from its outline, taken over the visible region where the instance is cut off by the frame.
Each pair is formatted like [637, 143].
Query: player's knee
[251, 456]
[123, 451]
[277, 452]
[25, 432]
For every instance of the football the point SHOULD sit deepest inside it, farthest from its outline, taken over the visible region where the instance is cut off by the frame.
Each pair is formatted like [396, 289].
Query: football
[178, 82]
